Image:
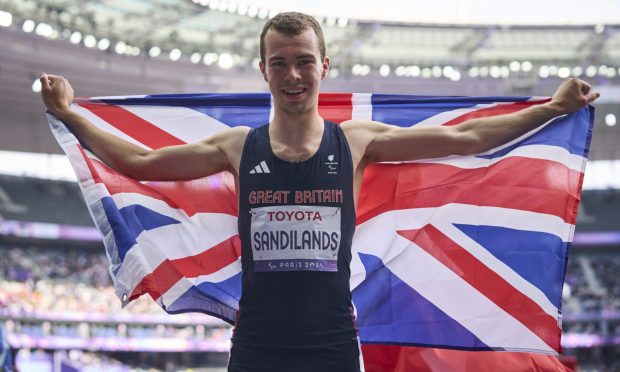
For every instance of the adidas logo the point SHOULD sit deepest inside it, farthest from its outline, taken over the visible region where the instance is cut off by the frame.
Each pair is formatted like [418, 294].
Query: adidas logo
[260, 168]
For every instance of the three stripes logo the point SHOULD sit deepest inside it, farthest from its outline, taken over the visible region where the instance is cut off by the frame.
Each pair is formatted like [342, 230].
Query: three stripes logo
[260, 168]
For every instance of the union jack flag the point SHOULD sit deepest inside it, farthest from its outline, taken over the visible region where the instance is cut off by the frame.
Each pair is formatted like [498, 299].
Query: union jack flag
[462, 252]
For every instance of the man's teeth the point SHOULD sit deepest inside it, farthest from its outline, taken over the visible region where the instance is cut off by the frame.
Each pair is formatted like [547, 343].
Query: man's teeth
[293, 91]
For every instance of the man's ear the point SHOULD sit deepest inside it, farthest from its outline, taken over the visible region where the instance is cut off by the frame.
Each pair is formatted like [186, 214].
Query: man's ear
[261, 65]
[325, 67]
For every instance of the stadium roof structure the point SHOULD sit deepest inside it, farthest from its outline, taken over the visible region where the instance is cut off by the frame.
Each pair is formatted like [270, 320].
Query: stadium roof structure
[228, 26]
[118, 47]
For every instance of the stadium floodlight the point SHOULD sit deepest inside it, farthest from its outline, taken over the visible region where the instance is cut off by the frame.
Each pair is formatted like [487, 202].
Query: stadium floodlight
[252, 11]
[515, 66]
[599, 28]
[343, 22]
[553, 70]
[195, 57]
[28, 25]
[455, 75]
[355, 70]
[223, 6]
[43, 29]
[75, 37]
[400, 70]
[384, 70]
[414, 70]
[526, 66]
[473, 72]
[365, 70]
[242, 9]
[591, 71]
[564, 72]
[331, 21]
[504, 72]
[543, 71]
[334, 72]
[154, 52]
[103, 44]
[175, 54]
[611, 72]
[225, 61]
[484, 71]
[602, 70]
[232, 7]
[610, 120]
[436, 71]
[209, 58]
[6, 18]
[577, 71]
[36, 86]
[495, 72]
[447, 71]
[427, 72]
[214, 4]
[263, 13]
[120, 47]
[204, 2]
[90, 41]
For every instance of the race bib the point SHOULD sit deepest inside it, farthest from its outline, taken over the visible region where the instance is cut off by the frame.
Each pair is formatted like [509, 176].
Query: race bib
[295, 238]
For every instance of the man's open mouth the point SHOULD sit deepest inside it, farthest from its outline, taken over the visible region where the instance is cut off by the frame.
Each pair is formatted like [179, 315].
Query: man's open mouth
[293, 91]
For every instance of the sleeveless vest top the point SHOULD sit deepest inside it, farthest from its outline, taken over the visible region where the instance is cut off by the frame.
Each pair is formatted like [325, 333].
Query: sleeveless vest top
[296, 224]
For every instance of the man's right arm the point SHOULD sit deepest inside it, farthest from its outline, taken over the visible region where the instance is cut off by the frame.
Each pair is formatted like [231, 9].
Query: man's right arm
[218, 153]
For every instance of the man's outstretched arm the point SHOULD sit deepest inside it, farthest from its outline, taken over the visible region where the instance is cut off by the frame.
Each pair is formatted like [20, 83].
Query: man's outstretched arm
[376, 142]
[182, 162]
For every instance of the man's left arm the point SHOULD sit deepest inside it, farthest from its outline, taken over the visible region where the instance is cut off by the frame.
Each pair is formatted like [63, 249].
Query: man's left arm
[377, 142]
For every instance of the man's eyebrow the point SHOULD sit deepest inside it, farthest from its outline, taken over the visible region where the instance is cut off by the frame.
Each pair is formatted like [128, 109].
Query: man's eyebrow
[303, 56]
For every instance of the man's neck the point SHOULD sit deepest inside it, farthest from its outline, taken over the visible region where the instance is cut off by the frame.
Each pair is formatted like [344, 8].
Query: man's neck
[296, 130]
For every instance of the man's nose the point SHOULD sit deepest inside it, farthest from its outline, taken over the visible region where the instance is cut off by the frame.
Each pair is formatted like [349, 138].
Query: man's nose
[293, 73]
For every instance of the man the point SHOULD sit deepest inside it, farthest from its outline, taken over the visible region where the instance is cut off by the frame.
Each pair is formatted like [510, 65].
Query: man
[298, 179]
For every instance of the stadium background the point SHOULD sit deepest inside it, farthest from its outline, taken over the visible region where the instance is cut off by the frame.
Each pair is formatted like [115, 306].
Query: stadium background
[57, 305]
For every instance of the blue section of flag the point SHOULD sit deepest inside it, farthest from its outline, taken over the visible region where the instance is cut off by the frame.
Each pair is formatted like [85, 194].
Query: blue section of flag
[247, 109]
[218, 299]
[407, 110]
[129, 222]
[389, 311]
[569, 132]
[523, 252]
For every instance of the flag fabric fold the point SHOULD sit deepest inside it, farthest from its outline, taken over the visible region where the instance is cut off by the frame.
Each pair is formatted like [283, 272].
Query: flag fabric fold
[465, 253]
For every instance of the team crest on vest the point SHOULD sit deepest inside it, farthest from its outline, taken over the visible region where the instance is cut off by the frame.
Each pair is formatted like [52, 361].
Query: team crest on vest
[332, 166]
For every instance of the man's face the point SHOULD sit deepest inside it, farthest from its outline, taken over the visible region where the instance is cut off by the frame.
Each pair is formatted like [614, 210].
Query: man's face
[294, 70]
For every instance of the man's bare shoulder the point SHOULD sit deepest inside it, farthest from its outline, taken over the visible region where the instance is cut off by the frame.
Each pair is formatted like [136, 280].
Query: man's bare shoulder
[363, 131]
[230, 137]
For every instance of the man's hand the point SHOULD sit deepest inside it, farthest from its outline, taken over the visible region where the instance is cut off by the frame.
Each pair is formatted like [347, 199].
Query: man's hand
[57, 93]
[572, 95]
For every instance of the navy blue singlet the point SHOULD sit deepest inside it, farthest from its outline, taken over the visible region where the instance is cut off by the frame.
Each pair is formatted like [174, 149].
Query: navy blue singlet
[296, 223]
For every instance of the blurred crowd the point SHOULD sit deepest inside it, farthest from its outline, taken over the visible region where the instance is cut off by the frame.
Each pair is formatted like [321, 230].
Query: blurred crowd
[66, 281]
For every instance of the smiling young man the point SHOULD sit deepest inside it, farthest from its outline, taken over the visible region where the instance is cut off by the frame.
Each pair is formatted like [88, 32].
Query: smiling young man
[297, 181]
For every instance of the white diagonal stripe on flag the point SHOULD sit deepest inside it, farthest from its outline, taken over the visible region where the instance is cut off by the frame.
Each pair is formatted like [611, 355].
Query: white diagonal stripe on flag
[195, 126]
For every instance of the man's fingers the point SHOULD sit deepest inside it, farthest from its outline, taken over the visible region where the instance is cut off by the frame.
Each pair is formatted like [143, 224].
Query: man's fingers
[592, 96]
[45, 83]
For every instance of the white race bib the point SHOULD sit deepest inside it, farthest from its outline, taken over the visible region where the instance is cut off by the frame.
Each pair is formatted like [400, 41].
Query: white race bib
[295, 238]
